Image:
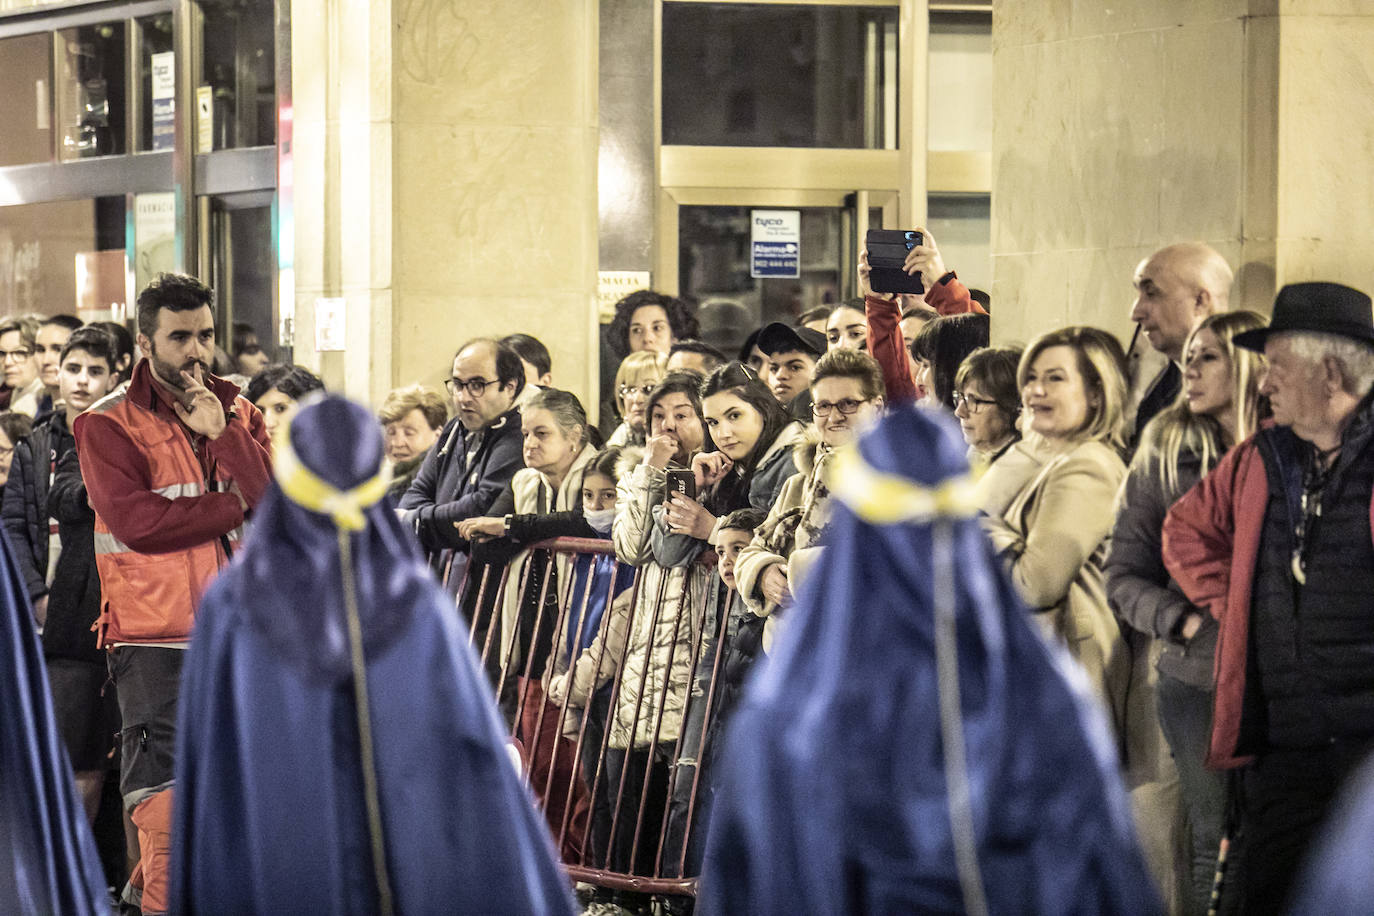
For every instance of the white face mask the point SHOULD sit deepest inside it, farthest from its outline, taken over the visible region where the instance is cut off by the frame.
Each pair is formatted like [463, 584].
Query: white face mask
[600, 519]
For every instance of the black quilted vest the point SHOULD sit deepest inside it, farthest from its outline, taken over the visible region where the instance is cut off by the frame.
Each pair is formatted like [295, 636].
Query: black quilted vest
[1312, 646]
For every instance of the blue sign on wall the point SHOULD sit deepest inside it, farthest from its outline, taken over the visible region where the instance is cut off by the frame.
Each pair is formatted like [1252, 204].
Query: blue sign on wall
[775, 243]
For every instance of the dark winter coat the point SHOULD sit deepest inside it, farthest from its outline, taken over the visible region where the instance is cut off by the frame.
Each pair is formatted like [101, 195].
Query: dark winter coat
[24, 507]
[74, 600]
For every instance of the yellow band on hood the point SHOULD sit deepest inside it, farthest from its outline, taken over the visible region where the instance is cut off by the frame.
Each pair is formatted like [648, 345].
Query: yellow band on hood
[307, 489]
[886, 499]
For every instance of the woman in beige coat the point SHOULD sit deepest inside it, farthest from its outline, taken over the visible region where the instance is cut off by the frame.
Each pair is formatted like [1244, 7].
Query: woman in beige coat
[1053, 533]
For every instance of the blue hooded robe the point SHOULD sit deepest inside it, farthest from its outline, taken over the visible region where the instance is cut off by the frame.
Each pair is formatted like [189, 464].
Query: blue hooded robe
[833, 793]
[270, 810]
[1339, 877]
[48, 860]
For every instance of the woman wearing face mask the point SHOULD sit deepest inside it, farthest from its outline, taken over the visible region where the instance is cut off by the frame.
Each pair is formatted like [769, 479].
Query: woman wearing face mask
[634, 380]
[1218, 407]
[599, 581]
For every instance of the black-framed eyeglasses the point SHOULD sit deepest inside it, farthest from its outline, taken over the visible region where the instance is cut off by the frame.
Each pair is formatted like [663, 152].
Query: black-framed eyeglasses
[16, 355]
[627, 390]
[846, 406]
[474, 386]
[971, 401]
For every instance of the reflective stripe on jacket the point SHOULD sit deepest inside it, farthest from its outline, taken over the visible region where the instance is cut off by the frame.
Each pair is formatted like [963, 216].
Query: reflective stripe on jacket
[150, 588]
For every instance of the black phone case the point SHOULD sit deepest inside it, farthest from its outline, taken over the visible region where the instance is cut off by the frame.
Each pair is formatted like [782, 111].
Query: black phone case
[881, 254]
[895, 280]
[907, 238]
[684, 482]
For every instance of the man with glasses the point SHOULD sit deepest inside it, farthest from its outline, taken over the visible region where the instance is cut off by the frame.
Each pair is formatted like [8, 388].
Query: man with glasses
[476, 454]
[17, 338]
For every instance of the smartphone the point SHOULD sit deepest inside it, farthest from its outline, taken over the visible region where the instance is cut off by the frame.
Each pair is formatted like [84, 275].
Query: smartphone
[684, 482]
[887, 250]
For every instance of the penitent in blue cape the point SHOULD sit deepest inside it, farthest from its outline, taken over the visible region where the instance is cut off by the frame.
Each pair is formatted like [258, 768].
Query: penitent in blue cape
[835, 792]
[1337, 878]
[273, 807]
[48, 861]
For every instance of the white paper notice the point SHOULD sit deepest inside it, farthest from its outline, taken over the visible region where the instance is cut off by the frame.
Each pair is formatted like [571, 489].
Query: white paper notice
[330, 324]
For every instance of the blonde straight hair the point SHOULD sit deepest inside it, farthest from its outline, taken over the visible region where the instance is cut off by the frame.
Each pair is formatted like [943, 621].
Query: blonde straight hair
[1102, 363]
[1177, 431]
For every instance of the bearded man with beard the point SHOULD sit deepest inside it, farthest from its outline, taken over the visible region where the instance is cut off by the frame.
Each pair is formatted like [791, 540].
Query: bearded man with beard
[172, 467]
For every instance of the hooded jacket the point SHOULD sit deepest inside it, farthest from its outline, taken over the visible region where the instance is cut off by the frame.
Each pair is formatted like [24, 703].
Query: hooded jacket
[650, 631]
[461, 477]
[794, 523]
[25, 505]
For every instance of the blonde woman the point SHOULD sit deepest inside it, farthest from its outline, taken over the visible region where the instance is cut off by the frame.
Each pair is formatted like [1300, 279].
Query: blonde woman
[1218, 407]
[1053, 534]
[639, 374]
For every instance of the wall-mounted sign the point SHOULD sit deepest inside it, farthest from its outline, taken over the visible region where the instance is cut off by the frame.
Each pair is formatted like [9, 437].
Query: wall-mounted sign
[155, 236]
[205, 119]
[164, 100]
[330, 324]
[614, 285]
[775, 243]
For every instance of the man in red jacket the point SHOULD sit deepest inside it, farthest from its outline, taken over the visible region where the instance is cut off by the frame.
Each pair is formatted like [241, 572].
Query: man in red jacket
[1276, 543]
[172, 465]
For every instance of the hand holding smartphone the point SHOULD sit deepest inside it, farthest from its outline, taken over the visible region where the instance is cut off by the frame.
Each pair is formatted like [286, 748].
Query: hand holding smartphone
[683, 482]
[887, 251]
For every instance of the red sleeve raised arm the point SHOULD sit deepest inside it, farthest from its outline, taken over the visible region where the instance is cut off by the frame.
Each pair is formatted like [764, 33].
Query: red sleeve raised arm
[888, 347]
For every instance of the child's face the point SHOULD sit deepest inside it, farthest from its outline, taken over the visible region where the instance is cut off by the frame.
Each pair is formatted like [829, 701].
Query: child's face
[598, 492]
[732, 541]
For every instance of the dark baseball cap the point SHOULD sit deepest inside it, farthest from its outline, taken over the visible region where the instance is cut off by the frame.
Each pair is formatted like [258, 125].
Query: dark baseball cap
[782, 338]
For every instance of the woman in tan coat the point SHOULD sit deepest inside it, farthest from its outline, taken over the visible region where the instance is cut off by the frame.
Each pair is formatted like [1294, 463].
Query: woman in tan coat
[1053, 535]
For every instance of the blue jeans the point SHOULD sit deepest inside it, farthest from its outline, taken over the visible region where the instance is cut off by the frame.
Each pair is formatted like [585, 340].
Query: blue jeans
[1185, 715]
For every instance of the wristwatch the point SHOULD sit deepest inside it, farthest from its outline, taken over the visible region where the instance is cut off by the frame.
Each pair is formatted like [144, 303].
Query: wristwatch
[505, 523]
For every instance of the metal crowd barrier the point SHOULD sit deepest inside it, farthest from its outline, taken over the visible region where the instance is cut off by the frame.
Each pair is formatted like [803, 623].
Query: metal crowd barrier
[568, 796]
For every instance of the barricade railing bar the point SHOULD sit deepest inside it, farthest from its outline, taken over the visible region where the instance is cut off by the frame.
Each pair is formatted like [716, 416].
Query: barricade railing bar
[600, 756]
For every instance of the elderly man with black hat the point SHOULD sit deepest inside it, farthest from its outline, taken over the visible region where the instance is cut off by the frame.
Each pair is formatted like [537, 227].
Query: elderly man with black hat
[792, 354]
[1276, 544]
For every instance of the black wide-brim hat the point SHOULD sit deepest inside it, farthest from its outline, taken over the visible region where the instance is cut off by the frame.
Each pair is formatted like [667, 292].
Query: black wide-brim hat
[1327, 308]
[781, 338]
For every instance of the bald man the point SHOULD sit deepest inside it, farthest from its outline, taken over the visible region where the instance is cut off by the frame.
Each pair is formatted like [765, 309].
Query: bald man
[1175, 287]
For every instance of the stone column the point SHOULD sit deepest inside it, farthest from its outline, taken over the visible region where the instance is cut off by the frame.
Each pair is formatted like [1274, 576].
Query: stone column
[448, 188]
[1119, 128]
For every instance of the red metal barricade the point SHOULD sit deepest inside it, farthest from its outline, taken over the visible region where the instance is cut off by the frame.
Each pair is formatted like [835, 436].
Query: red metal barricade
[566, 742]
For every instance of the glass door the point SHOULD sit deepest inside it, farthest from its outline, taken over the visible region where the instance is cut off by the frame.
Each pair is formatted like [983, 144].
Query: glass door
[242, 266]
[734, 254]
